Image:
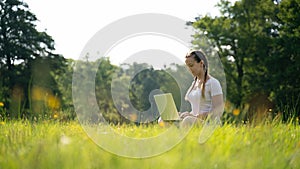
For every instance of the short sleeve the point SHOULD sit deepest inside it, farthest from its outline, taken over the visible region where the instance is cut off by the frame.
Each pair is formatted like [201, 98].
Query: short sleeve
[216, 88]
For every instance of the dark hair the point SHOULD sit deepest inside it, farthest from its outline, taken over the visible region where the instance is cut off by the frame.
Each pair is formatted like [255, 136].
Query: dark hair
[198, 56]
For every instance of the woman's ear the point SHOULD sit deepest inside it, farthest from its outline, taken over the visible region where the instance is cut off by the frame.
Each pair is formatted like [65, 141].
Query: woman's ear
[202, 62]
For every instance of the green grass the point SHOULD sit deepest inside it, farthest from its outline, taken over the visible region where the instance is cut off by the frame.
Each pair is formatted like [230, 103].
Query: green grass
[66, 145]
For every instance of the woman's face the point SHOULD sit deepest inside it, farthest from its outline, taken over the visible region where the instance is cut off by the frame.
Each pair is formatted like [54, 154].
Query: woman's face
[195, 67]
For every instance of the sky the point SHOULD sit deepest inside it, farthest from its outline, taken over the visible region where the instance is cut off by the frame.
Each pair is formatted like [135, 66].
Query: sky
[72, 23]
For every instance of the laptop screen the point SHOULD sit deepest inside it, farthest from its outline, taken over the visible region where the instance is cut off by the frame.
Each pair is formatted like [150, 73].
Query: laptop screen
[166, 107]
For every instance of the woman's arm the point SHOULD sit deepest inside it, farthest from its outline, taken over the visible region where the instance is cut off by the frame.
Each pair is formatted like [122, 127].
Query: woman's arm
[217, 107]
[216, 112]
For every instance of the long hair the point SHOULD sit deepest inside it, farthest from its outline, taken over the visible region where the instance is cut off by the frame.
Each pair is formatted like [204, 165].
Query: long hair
[198, 56]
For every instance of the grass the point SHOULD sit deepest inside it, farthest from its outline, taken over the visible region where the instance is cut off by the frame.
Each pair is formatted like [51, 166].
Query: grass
[66, 145]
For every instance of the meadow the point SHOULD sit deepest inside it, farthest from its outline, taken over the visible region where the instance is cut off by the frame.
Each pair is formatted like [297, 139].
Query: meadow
[50, 144]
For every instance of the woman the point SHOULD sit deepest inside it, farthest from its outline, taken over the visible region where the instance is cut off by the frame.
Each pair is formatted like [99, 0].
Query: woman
[205, 94]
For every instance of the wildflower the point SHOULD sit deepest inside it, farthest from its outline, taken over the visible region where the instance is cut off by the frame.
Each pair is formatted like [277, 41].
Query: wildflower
[236, 112]
[55, 116]
[161, 124]
[2, 123]
[1, 104]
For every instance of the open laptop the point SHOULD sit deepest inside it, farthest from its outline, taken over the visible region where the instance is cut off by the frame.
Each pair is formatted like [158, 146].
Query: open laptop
[166, 107]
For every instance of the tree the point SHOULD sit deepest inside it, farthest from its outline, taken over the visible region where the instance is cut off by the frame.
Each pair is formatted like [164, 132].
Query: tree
[20, 44]
[243, 38]
[285, 63]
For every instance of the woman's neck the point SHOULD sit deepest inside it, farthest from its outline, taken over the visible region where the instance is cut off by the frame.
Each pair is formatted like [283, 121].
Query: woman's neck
[201, 78]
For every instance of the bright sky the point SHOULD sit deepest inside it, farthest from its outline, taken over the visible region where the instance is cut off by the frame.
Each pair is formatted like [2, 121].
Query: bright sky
[71, 23]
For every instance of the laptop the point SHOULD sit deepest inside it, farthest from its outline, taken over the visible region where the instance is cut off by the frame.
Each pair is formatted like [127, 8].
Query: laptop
[166, 107]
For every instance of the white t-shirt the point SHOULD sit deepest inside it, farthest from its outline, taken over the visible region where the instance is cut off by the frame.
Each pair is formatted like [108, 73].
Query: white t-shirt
[199, 104]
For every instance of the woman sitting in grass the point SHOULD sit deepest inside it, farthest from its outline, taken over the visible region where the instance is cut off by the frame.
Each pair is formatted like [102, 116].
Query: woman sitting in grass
[205, 94]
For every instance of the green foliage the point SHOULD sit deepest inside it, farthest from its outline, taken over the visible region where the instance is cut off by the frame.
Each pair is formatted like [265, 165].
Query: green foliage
[26, 60]
[64, 82]
[126, 92]
[285, 63]
[147, 83]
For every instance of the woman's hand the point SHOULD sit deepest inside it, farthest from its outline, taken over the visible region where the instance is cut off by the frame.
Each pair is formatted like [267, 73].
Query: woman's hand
[202, 116]
[185, 114]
